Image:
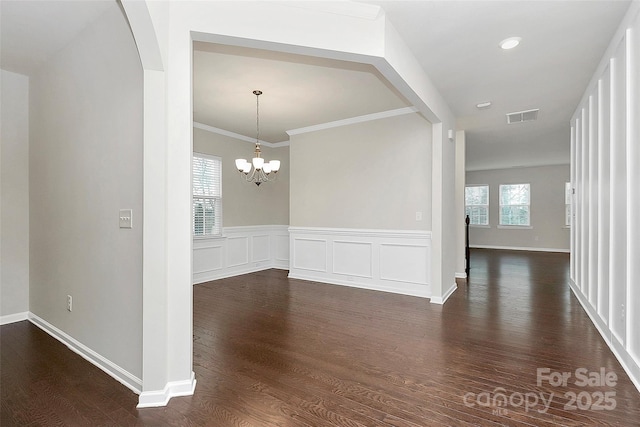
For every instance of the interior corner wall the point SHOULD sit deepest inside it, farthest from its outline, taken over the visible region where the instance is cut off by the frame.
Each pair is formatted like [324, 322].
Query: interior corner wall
[605, 153]
[460, 143]
[240, 198]
[86, 139]
[548, 231]
[14, 197]
[445, 221]
[371, 175]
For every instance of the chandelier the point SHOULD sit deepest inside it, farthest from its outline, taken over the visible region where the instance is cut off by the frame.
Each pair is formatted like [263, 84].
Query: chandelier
[262, 171]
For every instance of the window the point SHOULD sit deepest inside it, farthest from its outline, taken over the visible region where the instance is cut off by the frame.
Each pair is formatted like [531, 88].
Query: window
[207, 195]
[514, 204]
[568, 192]
[476, 200]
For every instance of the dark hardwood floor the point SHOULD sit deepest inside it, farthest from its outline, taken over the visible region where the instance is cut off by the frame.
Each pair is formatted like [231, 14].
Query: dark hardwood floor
[269, 351]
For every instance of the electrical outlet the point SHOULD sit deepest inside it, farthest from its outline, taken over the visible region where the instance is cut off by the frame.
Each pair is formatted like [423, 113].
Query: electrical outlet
[69, 303]
[126, 220]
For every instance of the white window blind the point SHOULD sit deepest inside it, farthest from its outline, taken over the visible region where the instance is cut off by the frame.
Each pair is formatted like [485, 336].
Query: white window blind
[476, 200]
[207, 195]
[514, 204]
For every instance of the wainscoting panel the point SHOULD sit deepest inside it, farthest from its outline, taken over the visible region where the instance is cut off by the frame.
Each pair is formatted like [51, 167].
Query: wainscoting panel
[383, 260]
[404, 263]
[208, 258]
[282, 250]
[260, 248]
[311, 254]
[240, 250]
[353, 258]
[237, 251]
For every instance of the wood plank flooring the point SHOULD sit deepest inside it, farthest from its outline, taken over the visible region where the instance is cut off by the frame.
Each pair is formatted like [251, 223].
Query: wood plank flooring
[272, 351]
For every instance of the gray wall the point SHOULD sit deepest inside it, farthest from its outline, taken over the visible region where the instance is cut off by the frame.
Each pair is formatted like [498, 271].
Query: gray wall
[372, 175]
[14, 194]
[245, 203]
[547, 208]
[85, 165]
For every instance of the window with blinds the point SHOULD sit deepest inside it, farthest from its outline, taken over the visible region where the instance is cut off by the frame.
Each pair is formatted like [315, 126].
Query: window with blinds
[207, 195]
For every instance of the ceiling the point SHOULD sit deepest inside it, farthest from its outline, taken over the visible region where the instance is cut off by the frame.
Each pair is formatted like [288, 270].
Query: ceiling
[456, 42]
[298, 91]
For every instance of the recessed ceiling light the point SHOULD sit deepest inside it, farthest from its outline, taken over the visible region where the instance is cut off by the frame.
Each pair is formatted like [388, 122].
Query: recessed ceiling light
[510, 43]
[484, 104]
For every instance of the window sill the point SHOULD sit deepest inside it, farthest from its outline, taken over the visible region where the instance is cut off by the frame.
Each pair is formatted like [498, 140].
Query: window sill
[515, 227]
[210, 237]
[479, 226]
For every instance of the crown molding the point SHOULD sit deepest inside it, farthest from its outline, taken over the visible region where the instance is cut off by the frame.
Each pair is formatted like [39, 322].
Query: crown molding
[314, 128]
[354, 120]
[238, 136]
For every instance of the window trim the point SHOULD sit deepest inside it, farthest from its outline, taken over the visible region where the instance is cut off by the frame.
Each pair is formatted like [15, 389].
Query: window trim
[217, 199]
[501, 224]
[568, 214]
[488, 224]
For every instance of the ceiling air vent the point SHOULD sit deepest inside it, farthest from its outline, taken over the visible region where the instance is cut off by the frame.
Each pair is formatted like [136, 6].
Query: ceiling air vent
[522, 116]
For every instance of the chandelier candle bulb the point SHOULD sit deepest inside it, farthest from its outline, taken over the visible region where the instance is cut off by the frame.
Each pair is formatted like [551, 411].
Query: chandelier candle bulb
[258, 162]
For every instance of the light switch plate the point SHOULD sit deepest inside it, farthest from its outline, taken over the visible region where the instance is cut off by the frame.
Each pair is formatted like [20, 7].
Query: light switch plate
[126, 218]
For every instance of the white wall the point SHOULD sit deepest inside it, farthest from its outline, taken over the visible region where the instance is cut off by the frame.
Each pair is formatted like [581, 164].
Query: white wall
[605, 155]
[14, 197]
[165, 49]
[548, 230]
[86, 165]
[371, 175]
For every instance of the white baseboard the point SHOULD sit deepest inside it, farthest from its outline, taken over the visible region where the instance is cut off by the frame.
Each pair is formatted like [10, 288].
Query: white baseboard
[461, 275]
[421, 291]
[156, 398]
[126, 378]
[629, 364]
[235, 272]
[446, 295]
[520, 248]
[13, 318]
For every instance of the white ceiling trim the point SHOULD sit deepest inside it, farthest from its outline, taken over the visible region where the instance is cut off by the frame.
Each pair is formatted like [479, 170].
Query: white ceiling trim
[314, 128]
[238, 136]
[354, 120]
